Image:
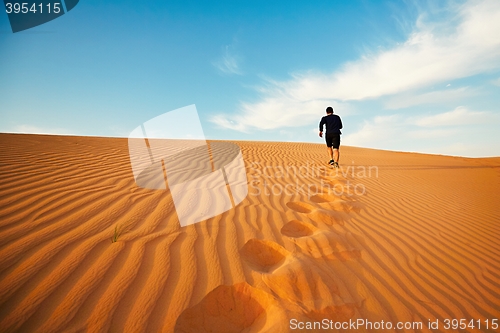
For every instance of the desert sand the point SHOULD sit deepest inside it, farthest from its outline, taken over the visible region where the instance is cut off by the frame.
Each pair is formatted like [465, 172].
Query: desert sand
[391, 236]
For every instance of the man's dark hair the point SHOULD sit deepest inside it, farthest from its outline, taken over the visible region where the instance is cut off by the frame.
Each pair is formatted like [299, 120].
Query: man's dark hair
[329, 110]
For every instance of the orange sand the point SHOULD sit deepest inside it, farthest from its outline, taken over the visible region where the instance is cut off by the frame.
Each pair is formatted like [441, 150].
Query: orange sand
[418, 240]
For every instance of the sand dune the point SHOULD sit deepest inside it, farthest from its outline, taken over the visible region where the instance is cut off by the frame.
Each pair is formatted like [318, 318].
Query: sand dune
[398, 237]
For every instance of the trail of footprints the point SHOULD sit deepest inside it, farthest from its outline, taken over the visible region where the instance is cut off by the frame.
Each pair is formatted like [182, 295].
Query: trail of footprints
[322, 241]
[297, 284]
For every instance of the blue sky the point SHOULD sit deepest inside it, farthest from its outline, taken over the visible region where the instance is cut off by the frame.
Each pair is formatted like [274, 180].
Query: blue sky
[408, 76]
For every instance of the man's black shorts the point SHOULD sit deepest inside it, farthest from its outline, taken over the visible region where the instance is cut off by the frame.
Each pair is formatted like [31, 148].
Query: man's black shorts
[332, 140]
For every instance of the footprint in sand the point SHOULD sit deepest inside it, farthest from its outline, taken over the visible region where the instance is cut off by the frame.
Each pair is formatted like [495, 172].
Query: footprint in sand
[264, 256]
[289, 284]
[319, 243]
[338, 203]
[289, 287]
[236, 308]
[297, 229]
[297, 279]
[317, 214]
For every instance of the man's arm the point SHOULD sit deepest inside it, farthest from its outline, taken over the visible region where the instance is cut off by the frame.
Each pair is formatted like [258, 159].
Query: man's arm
[340, 123]
[321, 123]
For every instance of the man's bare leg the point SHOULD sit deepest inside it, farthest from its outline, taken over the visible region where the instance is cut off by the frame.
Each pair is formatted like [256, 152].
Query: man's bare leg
[336, 155]
[330, 152]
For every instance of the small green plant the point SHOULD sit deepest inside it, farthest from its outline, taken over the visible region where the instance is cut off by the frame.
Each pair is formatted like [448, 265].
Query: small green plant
[119, 230]
[116, 234]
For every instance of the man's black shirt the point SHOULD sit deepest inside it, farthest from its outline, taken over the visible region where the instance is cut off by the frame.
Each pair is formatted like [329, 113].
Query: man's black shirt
[332, 122]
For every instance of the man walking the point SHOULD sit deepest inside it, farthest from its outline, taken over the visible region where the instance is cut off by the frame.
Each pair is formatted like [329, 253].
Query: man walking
[332, 136]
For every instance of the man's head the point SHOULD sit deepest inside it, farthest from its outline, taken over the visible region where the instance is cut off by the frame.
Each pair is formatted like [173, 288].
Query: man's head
[329, 110]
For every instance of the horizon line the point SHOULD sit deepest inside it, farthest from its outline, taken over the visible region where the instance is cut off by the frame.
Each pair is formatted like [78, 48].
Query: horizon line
[357, 147]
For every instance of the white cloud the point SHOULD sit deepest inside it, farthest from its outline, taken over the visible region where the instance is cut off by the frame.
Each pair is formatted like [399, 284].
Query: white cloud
[466, 44]
[278, 112]
[432, 133]
[440, 133]
[398, 126]
[263, 115]
[229, 62]
[459, 116]
[405, 100]
[431, 54]
[225, 122]
[496, 82]
[377, 131]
